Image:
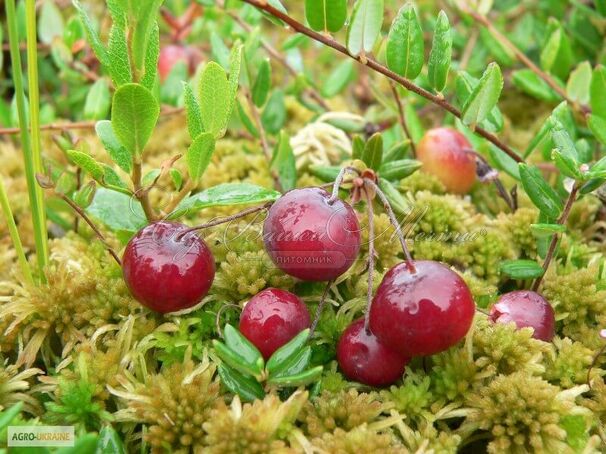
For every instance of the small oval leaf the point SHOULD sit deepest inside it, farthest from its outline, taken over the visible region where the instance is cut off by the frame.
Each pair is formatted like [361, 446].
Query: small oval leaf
[405, 51]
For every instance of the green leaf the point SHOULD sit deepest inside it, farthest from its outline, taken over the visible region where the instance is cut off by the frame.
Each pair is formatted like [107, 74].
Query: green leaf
[86, 163]
[396, 170]
[364, 26]
[262, 83]
[530, 83]
[214, 99]
[357, 147]
[135, 112]
[338, 79]
[246, 121]
[297, 364]
[220, 52]
[150, 69]
[464, 86]
[228, 194]
[283, 162]
[598, 170]
[199, 154]
[98, 101]
[326, 15]
[579, 82]
[521, 269]
[192, 110]
[50, 22]
[282, 357]
[598, 91]
[484, 97]
[247, 388]
[118, 152]
[398, 203]
[546, 230]
[146, 13]
[119, 64]
[405, 50]
[556, 55]
[563, 141]
[85, 444]
[325, 173]
[236, 361]
[373, 152]
[235, 63]
[117, 211]
[92, 35]
[273, 116]
[569, 167]
[441, 54]
[597, 125]
[302, 379]
[592, 185]
[243, 347]
[112, 179]
[542, 195]
[109, 442]
[7, 416]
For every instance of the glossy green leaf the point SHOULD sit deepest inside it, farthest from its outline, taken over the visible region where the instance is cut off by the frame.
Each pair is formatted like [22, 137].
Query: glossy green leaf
[598, 91]
[579, 82]
[364, 26]
[405, 51]
[464, 86]
[243, 347]
[117, 211]
[521, 269]
[546, 230]
[262, 84]
[326, 15]
[598, 170]
[563, 142]
[228, 194]
[109, 442]
[357, 147]
[235, 360]
[246, 121]
[192, 111]
[598, 127]
[325, 173]
[177, 177]
[296, 365]
[86, 163]
[338, 79]
[397, 201]
[214, 99]
[199, 154]
[542, 195]
[283, 162]
[592, 185]
[135, 112]
[441, 54]
[247, 388]
[118, 152]
[85, 195]
[396, 170]
[302, 379]
[530, 83]
[92, 35]
[556, 54]
[50, 22]
[373, 152]
[565, 164]
[98, 101]
[484, 96]
[273, 116]
[282, 357]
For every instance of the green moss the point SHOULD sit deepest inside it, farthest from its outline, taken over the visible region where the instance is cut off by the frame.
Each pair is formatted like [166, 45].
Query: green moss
[568, 363]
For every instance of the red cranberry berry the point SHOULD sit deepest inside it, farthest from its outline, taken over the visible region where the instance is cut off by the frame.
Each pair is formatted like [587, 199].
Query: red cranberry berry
[171, 54]
[364, 359]
[165, 271]
[311, 238]
[526, 308]
[272, 318]
[423, 311]
[443, 154]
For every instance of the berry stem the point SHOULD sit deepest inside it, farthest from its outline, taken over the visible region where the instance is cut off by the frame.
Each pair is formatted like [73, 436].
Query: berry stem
[402, 118]
[485, 170]
[321, 305]
[371, 258]
[225, 219]
[339, 181]
[378, 67]
[394, 222]
[555, 238]
[141, 193]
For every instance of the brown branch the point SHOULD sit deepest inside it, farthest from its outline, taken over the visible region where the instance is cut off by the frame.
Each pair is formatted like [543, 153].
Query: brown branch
[521, 56]
[402, 118]
[554, 240]
[377, 67]
[141, 193]
[226, 219]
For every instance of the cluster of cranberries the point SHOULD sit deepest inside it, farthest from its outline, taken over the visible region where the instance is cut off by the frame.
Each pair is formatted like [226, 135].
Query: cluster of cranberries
[420, 308]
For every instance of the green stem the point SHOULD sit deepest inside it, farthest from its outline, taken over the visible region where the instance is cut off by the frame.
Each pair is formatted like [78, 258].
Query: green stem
[12, 229]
